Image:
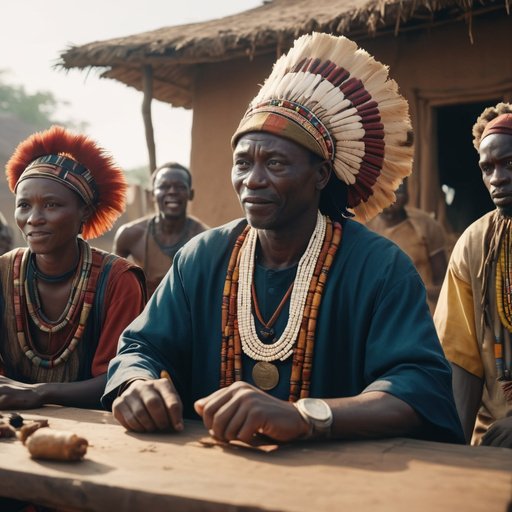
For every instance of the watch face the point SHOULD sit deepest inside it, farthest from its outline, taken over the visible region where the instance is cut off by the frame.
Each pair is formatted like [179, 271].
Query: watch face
[317, 409]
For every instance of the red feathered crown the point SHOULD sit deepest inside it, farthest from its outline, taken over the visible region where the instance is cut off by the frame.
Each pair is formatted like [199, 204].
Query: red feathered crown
[81, 165]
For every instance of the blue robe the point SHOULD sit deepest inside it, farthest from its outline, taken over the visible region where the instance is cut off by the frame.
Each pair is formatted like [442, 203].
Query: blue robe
[374, 330]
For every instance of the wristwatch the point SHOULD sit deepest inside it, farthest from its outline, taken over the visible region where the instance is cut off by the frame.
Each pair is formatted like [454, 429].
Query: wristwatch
[318, 416]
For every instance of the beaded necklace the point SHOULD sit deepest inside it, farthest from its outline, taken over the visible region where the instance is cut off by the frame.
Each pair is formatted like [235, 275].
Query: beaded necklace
[282, 348]
[503, 302]
[40, 275]
[299, 335]
[79, 304]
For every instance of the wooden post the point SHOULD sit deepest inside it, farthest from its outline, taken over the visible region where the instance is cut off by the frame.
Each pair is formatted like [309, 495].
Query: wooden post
[147, 87]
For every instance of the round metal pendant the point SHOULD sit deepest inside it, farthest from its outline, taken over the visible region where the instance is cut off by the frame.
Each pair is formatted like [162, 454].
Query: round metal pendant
[265, 375]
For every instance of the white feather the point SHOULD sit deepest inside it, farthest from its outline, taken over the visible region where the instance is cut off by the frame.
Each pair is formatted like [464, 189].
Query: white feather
[336, 111]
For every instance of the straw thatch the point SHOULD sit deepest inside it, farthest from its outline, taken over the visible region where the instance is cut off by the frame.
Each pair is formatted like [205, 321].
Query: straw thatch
[173, 52]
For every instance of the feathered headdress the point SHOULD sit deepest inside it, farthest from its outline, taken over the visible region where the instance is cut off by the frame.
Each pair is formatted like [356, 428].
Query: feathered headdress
[337, 100]
[78, 163]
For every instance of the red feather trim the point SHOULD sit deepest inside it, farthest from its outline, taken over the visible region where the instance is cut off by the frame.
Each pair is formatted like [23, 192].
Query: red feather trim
[110, 180]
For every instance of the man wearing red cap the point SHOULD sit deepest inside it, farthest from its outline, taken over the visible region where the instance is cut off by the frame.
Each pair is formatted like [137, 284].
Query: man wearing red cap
[474, 312]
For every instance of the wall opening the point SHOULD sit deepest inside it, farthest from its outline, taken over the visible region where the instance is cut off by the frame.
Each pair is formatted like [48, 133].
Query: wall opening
[459, 174]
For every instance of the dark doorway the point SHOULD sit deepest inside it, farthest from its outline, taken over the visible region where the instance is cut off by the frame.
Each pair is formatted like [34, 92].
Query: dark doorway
[458, 163]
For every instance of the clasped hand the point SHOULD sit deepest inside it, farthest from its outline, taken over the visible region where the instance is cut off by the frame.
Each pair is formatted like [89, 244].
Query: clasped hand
[18, 395]
[236, 412]
[240, 411]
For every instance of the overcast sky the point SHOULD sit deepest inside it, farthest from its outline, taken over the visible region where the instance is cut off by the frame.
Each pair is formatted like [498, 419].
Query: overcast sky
[33, 33]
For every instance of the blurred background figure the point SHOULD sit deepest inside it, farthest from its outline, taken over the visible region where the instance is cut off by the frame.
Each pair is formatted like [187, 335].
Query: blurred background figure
[420, 236]
[6, 239]
[153, 240]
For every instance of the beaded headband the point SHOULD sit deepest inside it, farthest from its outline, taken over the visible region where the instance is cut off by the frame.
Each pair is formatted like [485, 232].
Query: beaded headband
[336, 100]
[501, 124]
[77, 162]
[66, 171]
[293, 121]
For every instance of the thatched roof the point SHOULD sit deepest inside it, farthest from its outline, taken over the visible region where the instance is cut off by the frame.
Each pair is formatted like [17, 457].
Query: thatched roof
[173, 52]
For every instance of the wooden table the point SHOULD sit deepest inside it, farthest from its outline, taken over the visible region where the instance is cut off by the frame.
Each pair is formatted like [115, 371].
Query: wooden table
[164, 472]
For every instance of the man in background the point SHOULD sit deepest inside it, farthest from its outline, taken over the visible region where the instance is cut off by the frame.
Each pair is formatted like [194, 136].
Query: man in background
[420, 236]
[153, 240]
[474, 313]
[5, 236]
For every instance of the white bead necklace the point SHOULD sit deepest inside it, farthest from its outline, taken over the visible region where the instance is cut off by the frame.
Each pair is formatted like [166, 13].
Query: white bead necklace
[282, 348]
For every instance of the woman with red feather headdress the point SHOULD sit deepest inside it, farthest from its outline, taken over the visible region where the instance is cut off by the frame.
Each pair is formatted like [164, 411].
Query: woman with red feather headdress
[63, 303]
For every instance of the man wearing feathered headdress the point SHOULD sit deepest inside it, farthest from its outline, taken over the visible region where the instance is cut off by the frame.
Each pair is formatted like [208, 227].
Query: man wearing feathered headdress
[297, 322]
[474, 313]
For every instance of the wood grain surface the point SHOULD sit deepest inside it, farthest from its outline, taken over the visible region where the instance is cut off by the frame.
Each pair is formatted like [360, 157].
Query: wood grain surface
[151, 472]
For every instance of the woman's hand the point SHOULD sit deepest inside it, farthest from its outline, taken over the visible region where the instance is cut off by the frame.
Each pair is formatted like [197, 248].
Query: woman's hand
[18, 395]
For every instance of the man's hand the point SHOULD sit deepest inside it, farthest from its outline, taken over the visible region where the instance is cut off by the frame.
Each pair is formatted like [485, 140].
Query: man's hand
[499, 434]
[240, 411]
[18, 395]
[149, 406]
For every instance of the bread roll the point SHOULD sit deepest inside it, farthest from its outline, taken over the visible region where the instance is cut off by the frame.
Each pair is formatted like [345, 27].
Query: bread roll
[47, 443]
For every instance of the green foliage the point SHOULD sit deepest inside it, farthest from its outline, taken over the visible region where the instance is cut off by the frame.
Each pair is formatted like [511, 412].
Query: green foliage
[138, 176]
[36, 109]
